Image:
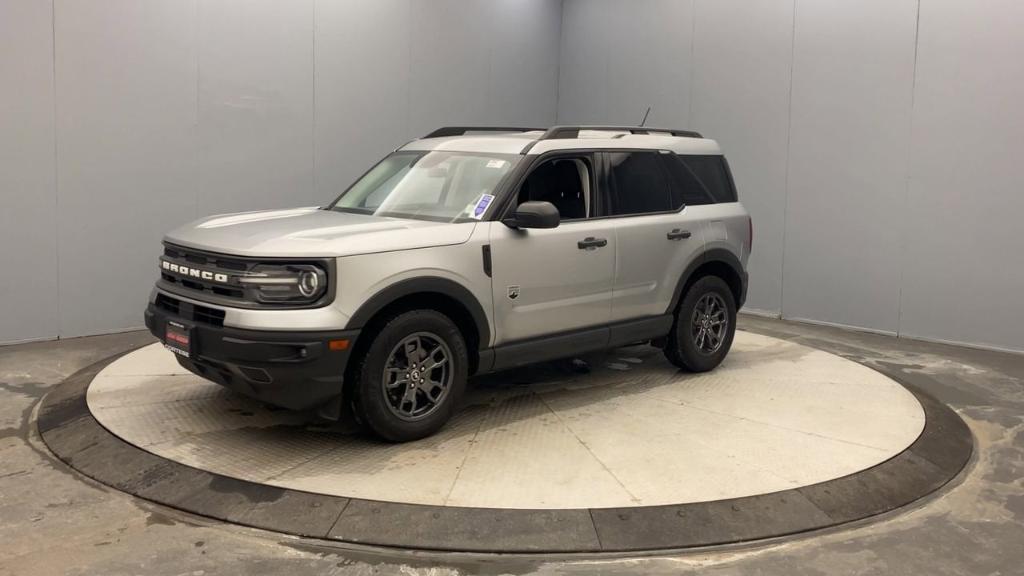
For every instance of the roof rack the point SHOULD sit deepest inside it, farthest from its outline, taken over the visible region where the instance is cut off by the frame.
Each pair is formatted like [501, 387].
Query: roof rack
[462, 130]
[556, 132]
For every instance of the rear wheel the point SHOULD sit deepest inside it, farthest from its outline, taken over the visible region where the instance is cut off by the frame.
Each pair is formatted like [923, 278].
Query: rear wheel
[704, 326]
[412, 376]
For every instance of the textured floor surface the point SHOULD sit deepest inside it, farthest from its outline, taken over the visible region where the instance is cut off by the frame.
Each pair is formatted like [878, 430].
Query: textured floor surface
[634, 431]
[52, 521]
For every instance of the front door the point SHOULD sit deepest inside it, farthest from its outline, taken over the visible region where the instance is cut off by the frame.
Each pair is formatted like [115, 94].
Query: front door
[548, 281]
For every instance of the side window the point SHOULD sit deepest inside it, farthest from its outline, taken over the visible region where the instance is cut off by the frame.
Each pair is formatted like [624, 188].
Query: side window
[713, 173]
[687, 189]
[565, 182]
[639, 184]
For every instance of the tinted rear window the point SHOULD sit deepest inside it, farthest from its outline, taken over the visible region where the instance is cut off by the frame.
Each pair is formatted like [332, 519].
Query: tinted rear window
[639, 183]
[687, 189]
[713, 173]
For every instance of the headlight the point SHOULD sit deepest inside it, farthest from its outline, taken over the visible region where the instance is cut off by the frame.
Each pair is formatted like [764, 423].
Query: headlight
[309, 282]
[285, 283]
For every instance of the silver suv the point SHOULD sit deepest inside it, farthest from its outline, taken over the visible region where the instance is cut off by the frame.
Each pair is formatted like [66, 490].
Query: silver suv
[468, 251]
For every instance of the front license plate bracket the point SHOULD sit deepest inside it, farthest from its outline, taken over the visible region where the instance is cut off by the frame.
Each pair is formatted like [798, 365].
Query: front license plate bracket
[178, 338]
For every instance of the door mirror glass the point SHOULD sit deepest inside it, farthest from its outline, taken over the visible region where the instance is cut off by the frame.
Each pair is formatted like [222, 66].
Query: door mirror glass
[534, 214]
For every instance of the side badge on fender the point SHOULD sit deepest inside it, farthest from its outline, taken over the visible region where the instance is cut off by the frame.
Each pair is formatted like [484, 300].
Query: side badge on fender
[513, 292]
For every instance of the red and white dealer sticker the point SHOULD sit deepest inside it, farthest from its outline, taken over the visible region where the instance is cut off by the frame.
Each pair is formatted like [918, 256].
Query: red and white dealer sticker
[178, 338]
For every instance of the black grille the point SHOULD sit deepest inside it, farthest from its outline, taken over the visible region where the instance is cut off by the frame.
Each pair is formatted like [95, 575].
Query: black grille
[182, 270]
[205, 259]
[209, 262]
[189, 311]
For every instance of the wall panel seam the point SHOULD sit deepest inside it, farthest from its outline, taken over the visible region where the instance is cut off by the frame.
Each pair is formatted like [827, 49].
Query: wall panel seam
[56, 173]
[693, 63]
[909, 166]
[312, 126]
[558, 61]
[785, 185]
[197, 133]
[408, 71]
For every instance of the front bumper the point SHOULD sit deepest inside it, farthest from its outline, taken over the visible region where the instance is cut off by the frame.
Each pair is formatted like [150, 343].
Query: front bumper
[295, 370]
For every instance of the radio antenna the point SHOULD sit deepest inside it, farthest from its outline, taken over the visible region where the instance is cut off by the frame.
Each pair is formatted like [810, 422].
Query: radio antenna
[644, 121]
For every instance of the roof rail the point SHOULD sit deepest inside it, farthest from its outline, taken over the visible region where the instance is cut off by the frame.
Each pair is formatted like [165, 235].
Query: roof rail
[557, 132]
[462, 130]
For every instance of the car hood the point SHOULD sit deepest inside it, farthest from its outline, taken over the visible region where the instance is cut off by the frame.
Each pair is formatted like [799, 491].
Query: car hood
[313, 232]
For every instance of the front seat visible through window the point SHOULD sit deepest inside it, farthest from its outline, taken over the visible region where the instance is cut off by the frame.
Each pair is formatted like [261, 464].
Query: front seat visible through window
[558, 182]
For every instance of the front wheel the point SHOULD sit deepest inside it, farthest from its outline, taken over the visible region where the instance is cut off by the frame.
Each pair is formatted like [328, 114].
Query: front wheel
[412, 376]
[704, 326]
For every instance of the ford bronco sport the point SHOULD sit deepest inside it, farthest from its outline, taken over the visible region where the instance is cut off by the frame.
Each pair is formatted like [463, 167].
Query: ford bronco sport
[468, 251]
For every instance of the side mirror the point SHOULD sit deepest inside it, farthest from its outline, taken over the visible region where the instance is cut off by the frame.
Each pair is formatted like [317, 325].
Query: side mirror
[534, 215]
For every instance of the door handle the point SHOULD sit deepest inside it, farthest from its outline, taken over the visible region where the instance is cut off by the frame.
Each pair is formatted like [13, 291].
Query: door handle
[591, 242]
[677, 234]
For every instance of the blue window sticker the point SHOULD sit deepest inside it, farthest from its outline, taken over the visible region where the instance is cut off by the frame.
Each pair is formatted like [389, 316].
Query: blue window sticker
[481, 206]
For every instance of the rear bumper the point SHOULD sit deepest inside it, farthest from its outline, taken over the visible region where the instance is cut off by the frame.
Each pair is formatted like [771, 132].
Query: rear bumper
[295, 370]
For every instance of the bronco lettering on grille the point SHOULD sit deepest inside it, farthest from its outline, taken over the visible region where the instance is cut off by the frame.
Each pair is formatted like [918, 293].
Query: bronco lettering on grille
[193, 272]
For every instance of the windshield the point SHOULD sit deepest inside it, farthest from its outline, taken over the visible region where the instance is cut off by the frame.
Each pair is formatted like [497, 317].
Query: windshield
[439, 185]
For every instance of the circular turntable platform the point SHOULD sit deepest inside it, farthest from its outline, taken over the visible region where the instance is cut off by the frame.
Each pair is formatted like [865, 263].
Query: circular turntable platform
[633, 432]
[626, 454]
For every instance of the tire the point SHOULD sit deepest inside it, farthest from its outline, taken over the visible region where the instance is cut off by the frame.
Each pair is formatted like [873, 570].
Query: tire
[399, 403]
[684, 346]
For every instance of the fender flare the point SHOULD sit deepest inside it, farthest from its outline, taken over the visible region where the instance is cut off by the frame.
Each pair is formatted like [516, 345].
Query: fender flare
[714, 255]
[426, 284]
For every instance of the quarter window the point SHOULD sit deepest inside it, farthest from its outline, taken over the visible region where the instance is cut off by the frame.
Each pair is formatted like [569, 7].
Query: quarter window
[687, 189]
[713, 174]
[639, 184]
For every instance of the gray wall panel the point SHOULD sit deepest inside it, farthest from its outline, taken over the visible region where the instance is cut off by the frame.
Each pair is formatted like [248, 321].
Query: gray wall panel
[28, 243]
[741, 82]
[618, 58]
[522, 84]
[126, 115]
[849, 139]
[255, 105]
[650, 65]
[583, 68]
[963, 273]
[869, 183]
[170, 110]
[362, 103]
[449, 64]
[884, 190]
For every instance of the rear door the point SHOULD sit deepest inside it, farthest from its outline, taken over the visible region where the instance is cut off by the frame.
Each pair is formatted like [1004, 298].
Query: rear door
[657, 235]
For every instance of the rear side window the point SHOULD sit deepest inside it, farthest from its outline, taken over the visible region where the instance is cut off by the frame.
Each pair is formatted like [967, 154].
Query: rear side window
[713, 173]
[687, 189]
[639, 184]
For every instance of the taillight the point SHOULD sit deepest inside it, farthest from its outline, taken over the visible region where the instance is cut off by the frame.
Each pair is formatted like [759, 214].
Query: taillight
[750, 234]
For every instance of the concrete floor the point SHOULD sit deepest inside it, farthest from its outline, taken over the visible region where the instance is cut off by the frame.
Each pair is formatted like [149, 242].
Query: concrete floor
[52, 521]
[632, 431]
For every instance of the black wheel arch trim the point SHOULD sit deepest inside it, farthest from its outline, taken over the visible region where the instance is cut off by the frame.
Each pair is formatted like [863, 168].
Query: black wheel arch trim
[709, 256]
[425, 285]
